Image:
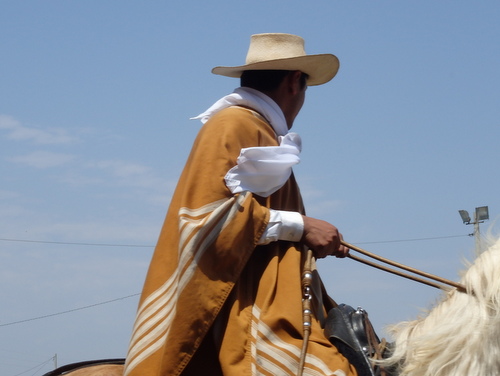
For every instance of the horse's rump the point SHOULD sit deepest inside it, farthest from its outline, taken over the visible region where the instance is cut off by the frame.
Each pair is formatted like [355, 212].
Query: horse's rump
[103, 367]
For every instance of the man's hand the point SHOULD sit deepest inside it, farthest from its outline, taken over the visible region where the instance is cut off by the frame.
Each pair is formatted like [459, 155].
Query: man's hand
[323, 238]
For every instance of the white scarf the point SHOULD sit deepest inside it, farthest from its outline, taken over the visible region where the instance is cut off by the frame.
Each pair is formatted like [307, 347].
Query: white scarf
[245, 96]
[262, 169]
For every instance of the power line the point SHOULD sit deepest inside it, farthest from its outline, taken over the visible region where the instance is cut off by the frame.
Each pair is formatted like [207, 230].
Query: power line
[132, 295]
[152, 246]
[39, 367]
[68, 311]
[75, 243]
[412, 240]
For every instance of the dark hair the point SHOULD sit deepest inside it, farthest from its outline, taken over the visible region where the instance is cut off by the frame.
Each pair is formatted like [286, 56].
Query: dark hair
[266, 80]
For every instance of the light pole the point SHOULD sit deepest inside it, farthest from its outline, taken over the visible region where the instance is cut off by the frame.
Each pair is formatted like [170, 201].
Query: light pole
[480, 215]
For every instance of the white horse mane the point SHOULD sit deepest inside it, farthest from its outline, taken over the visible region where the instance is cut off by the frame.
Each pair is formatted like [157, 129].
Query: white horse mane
[461, 334]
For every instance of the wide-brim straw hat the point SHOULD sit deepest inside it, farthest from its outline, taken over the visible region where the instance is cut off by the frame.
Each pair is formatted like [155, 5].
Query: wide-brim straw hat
[278, 51]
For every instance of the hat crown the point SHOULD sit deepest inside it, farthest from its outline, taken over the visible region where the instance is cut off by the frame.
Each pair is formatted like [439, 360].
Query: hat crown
[274, 46]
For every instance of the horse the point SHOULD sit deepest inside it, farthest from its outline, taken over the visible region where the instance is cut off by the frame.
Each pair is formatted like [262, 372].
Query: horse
[459, 336]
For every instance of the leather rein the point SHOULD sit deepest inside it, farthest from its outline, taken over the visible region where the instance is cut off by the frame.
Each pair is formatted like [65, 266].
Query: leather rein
[444, 284]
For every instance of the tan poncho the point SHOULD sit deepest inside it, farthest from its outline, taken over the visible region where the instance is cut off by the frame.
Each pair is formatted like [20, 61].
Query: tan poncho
[209, 281]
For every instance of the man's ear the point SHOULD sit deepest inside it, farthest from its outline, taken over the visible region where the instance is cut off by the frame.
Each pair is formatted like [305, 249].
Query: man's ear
[294, 82]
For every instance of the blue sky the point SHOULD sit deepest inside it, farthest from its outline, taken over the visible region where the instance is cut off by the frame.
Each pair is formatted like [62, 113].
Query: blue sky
[95, 101]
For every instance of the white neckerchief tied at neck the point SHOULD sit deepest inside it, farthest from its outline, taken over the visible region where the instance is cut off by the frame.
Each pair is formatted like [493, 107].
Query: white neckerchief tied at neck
[248, 97]
[262, 169]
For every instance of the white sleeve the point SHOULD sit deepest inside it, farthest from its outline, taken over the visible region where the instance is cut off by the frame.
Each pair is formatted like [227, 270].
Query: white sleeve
[283, 225]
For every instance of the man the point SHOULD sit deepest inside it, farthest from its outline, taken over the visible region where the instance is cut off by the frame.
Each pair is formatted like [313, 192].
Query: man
[223, 293]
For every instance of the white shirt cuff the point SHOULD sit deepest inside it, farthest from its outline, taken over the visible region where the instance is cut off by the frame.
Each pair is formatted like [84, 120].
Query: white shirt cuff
[283, 225]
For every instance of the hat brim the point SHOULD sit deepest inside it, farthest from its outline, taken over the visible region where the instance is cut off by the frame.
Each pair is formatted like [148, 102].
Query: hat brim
[320, 68]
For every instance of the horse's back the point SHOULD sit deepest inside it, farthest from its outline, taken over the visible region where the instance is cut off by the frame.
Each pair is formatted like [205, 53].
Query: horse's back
[104, 367]
[100, 370]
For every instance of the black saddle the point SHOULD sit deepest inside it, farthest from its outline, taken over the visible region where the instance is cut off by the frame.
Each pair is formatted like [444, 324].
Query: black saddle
[352, 333]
